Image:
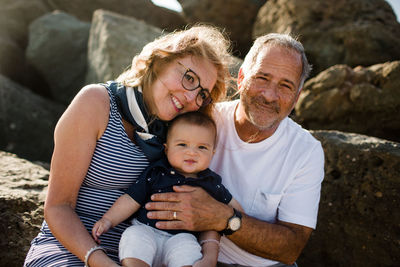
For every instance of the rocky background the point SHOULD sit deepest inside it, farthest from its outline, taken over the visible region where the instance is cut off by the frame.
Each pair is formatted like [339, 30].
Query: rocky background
[49, 49]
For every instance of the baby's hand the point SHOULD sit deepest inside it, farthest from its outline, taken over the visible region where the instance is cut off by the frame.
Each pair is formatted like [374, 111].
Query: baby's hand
[100, 227]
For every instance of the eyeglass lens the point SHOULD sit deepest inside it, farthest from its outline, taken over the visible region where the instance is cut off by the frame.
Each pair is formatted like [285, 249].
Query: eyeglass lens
[190, 81]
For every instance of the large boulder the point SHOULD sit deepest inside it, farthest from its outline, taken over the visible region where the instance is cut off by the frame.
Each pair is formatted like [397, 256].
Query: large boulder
[12, 58]
[358, 222]
[235, 16]
[22, 193]
[351, 32]
[26, 121]
[15, 17]
[140, 9]
[58, 50]
[114, 41]
[360, 100]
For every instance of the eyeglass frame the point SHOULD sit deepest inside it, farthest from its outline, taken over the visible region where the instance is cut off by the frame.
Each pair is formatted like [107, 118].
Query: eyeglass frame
[207, 101]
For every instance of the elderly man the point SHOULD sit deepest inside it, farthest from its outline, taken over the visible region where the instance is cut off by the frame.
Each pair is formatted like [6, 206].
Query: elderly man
[272, 166]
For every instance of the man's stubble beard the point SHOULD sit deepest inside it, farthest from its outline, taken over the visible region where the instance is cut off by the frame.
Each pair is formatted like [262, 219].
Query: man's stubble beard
[257, 110]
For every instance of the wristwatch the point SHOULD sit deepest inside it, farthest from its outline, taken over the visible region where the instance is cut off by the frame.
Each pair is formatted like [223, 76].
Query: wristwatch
[234, 223]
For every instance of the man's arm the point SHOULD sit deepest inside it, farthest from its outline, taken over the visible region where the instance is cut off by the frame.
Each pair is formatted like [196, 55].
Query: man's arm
[280, 241]
[197, 211]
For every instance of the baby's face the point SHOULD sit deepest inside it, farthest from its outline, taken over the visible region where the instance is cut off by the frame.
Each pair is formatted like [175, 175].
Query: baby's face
[190, 148]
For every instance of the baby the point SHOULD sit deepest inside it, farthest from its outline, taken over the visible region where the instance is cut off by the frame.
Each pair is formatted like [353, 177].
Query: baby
[189, 148]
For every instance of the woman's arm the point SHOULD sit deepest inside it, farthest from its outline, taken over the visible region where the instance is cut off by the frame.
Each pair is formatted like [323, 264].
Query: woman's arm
[75, 136]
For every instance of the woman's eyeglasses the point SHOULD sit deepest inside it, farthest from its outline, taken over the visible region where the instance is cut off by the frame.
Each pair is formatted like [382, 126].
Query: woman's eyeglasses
[191, 81]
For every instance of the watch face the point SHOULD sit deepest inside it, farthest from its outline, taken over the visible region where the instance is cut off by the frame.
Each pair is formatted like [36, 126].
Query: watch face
[234, 224]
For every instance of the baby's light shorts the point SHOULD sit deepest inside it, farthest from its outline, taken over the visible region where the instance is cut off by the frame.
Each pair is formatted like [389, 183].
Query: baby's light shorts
[157, 248]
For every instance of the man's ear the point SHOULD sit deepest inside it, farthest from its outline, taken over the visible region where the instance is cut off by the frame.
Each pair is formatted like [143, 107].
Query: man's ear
[298, 94]
[240, 79]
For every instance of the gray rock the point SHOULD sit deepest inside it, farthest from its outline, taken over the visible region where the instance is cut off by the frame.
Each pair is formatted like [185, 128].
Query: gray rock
[358, 221]
[360, 100]
[353, 32]
[26, 121]
[235, 16]
[140, 9]
[22, 195]
[58, 50]
[114, 41]
[15, 17]
[12, 58]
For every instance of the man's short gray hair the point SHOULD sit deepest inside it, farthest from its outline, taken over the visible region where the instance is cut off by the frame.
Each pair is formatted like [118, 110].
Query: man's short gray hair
[279, 39]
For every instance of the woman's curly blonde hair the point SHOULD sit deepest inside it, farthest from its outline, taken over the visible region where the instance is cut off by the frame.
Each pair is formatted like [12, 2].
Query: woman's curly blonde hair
[202, 41]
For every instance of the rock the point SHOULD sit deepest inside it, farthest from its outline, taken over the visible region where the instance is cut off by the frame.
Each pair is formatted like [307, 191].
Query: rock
[358, 221]
[235, 16]
[22, 195]
[360, 100]
[26, 121]
[15, 17]
[140, 9]
[12, 59]
[114, 41]
[352, 32]
[58, 50]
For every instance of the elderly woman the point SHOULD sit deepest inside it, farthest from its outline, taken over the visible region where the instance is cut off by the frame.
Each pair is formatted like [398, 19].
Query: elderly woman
[110, 132]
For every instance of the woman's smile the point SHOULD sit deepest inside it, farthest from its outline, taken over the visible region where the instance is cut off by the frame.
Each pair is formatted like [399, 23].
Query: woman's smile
[177, 104]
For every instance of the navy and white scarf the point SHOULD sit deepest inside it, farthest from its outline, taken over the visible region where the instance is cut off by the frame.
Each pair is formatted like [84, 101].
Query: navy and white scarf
[149, 133]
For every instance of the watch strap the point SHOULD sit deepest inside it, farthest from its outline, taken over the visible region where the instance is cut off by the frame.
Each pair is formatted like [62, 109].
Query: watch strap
[228, 230]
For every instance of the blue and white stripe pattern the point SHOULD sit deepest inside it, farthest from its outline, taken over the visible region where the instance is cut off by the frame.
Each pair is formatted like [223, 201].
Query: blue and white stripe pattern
[116, 164]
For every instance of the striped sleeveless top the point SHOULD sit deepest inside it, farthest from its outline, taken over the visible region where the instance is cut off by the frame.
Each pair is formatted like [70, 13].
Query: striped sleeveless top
[116, 163]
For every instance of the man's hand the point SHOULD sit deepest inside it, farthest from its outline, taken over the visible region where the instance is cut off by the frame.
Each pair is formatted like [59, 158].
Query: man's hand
[195, 210]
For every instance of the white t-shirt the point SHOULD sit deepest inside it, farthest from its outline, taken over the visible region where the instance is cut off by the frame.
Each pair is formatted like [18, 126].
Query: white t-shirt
[277, 178]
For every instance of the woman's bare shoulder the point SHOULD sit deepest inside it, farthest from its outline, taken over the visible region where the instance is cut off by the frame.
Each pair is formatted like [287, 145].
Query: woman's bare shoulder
[94, 92]
[90, 109]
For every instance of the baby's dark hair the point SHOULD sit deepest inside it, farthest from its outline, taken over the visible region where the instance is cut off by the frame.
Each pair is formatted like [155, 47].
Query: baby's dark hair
[195, 118]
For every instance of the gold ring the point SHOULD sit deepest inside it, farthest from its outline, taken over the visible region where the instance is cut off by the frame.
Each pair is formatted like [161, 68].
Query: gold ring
[174, 216]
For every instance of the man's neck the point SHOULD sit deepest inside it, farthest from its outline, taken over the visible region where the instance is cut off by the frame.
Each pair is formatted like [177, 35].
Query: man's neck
[247, 131]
